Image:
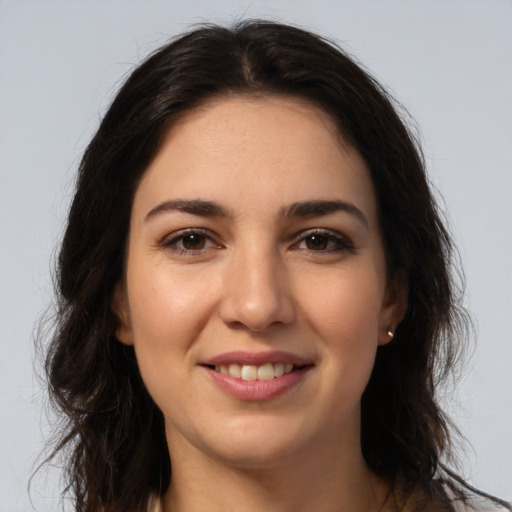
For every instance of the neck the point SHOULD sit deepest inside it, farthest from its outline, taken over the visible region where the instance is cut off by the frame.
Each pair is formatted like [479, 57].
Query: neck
[329, 480]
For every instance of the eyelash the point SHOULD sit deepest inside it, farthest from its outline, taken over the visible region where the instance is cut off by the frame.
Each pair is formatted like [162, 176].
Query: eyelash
[171, 244]
[342, 243]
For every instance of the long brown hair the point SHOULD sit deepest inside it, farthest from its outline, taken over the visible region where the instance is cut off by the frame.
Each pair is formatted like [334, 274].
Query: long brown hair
[114, 433]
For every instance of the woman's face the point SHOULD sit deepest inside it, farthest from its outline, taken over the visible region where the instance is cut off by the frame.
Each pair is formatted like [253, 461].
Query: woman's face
[254, 246]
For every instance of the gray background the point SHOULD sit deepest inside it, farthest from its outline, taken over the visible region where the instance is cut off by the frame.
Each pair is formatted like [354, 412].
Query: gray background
[449, 63]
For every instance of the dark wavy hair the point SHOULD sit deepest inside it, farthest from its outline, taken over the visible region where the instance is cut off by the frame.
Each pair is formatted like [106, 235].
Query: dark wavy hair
[113, 438]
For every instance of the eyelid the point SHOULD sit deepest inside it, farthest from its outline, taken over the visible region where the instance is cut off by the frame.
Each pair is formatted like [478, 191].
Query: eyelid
[344, 243]
[169, 241]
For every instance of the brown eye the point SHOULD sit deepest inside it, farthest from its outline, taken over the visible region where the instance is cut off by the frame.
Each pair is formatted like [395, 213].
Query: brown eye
[190, 242]
[324, 241]
[316, 242]
[193, 242]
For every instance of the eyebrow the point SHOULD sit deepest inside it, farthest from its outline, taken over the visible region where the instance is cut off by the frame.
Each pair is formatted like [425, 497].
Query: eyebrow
[193, 206]
[317, 208]
[313, 208]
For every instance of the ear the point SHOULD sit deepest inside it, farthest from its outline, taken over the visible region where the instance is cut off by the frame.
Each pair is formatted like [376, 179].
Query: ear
[394, 307]
[121, 310]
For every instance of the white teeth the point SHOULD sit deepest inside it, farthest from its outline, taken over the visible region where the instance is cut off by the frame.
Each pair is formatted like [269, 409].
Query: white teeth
[267, 371]
[249, 372]
[279, 370]
[235, 370]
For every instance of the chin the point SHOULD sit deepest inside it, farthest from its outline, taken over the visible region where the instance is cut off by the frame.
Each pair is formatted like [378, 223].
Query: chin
[257, 456]
[258, 446]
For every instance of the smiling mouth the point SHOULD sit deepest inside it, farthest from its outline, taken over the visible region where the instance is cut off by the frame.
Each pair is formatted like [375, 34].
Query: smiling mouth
[267, 371]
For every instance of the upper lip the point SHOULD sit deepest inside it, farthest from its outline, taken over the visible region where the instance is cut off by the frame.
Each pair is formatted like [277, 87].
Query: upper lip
[257, 358]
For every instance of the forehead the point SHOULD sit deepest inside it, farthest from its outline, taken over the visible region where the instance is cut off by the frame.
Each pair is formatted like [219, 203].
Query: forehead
[243, 150]
[225, 115]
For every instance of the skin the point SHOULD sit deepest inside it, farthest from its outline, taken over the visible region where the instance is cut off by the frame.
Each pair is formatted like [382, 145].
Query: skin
[255, 280]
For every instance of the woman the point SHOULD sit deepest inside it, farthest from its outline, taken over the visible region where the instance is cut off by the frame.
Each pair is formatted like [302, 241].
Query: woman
[256, 301]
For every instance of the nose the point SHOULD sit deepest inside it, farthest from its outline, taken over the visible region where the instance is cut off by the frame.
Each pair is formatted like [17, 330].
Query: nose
[257, 293]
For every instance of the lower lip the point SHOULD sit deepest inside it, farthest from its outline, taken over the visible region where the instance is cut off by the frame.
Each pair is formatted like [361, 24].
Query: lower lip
[258, 390]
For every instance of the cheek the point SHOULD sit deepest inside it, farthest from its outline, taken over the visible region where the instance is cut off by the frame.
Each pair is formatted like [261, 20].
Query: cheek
[346, 316]
[167, 308]
[347, 307]
[168, 312]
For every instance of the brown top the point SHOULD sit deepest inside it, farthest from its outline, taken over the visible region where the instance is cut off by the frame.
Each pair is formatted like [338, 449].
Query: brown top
[413, 496]
[408, 495]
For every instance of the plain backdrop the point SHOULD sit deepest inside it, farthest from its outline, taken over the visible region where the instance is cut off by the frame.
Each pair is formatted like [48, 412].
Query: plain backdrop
[448, 62]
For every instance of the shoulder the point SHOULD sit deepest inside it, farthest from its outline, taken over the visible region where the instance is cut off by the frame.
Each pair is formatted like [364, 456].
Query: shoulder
[476, 507]
[471, 500]
[411, 493]
[472, 505]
